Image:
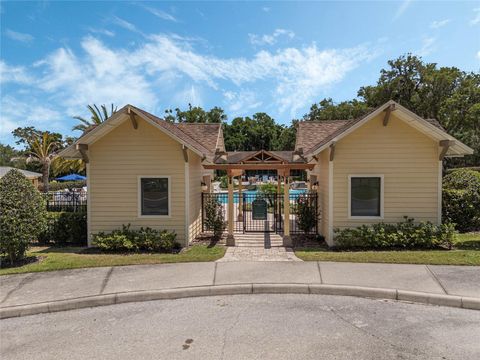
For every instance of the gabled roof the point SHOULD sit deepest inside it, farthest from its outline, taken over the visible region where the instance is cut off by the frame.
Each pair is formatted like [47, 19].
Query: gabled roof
[316, 136]
[200, 138]
[28, 174]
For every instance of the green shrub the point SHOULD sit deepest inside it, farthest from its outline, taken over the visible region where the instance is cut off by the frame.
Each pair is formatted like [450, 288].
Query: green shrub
[214, 220]
[144, 239]
[306, 213]
[461, 199]
[402, 235]
[22, 215]
[65, 228]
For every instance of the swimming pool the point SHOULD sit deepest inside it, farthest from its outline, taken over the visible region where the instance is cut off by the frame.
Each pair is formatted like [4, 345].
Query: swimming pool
[250, 195]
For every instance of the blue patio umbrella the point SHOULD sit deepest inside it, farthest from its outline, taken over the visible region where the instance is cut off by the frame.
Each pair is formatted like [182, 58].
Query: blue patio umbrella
[71, 177]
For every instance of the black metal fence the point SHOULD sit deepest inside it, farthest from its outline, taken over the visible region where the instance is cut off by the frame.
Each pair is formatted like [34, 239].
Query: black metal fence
[70, 201]
[260, 212]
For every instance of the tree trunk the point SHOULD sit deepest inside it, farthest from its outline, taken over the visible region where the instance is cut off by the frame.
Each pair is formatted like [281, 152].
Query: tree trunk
[45, 174]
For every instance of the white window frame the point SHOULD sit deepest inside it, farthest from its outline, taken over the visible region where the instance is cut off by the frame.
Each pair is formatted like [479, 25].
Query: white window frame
[382, 196]
[139, 196]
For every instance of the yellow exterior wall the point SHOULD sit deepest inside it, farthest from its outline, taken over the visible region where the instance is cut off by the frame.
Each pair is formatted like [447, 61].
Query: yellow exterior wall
[321, 171]
[406, 158]
[116, 161]
[195, 175]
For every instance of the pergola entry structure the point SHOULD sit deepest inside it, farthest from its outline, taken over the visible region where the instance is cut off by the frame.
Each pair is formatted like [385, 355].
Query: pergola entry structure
[237, 162]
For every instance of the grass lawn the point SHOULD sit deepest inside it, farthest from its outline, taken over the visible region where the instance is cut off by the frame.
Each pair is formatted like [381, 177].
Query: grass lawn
[60, 258]
[466, 252]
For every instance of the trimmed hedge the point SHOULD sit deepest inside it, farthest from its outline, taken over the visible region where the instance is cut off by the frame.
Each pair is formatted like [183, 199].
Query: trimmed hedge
[65, 228]
[461, 199]
[145, 239]
[402, 235]
[61, 185]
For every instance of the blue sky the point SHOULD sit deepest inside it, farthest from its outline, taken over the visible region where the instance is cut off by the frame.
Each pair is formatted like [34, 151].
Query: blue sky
[57, 57]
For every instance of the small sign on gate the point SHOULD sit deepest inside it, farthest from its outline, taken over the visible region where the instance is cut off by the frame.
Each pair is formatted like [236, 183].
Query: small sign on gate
[259, 209]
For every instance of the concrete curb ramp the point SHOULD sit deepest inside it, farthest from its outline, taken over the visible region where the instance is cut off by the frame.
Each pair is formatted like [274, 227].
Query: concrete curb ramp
[215, 290]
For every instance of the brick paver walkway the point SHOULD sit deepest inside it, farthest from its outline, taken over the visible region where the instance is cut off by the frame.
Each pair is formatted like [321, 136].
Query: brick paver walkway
[255, 253]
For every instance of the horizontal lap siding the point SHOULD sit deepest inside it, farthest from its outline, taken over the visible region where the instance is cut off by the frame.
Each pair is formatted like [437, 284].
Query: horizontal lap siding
[321, 171]
[116, 161]
[408, 160]
[196, 173]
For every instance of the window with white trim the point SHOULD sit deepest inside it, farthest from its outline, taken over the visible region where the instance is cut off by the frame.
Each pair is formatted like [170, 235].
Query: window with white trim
[366, 194]
[154, 196]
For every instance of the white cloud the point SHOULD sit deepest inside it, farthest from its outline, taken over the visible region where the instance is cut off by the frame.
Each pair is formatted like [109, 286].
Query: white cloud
[402, 8]
[242, 102]
[102, 31]
[189, 95]
[476, 18]
[270, 39]
[17, 113]
[102, 76]
[22, 37]
[125, 24]
[168, 68]
[478, 55]
[428, 46]
[13, 74]
[439, 23]
[160, 14]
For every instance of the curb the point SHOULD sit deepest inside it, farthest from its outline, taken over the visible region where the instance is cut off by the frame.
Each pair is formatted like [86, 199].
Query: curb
[240, 289]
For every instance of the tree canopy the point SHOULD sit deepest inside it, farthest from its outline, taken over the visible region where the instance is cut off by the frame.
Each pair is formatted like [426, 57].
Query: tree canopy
[447, 94]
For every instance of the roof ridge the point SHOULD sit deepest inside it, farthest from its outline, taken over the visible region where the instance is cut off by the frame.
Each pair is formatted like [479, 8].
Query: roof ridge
[322, 121]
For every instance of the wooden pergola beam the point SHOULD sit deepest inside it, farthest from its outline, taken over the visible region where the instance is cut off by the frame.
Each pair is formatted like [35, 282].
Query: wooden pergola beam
[388, 112]
[132, 118]
[82, 149]
[258, 166]
[445, 145]
[234, 172]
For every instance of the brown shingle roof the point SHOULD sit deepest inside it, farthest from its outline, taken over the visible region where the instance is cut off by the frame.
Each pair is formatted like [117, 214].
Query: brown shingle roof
[202, 137]
[312, 133]
[207, 134]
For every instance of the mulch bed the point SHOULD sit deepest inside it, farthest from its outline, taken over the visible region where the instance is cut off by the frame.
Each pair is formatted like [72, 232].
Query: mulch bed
[5, 263]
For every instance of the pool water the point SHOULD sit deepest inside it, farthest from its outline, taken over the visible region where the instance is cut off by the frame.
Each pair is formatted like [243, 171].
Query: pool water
[251, 195]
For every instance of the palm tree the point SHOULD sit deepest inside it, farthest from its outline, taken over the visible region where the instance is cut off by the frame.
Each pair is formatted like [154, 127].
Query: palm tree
[98, 117]
[43, 148]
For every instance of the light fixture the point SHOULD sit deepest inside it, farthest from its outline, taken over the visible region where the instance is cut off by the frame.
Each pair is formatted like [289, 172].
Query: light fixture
[315, 186]
[204, 186]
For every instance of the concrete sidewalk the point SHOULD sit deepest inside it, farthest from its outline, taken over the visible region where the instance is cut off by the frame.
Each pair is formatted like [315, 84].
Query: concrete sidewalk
[432, 280]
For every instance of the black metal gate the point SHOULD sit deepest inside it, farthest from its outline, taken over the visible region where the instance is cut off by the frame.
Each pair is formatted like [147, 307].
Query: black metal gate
[261, 212]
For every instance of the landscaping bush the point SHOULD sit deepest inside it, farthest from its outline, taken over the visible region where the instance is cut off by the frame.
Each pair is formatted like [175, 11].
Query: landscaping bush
[403, 235]
[65, 228]
[214, 220]
[306, 213]
[22, 215]
[145, 239]
[461, 199]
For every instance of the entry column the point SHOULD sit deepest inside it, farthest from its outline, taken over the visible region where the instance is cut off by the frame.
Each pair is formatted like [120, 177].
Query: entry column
[230, 209]
[287, 240]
